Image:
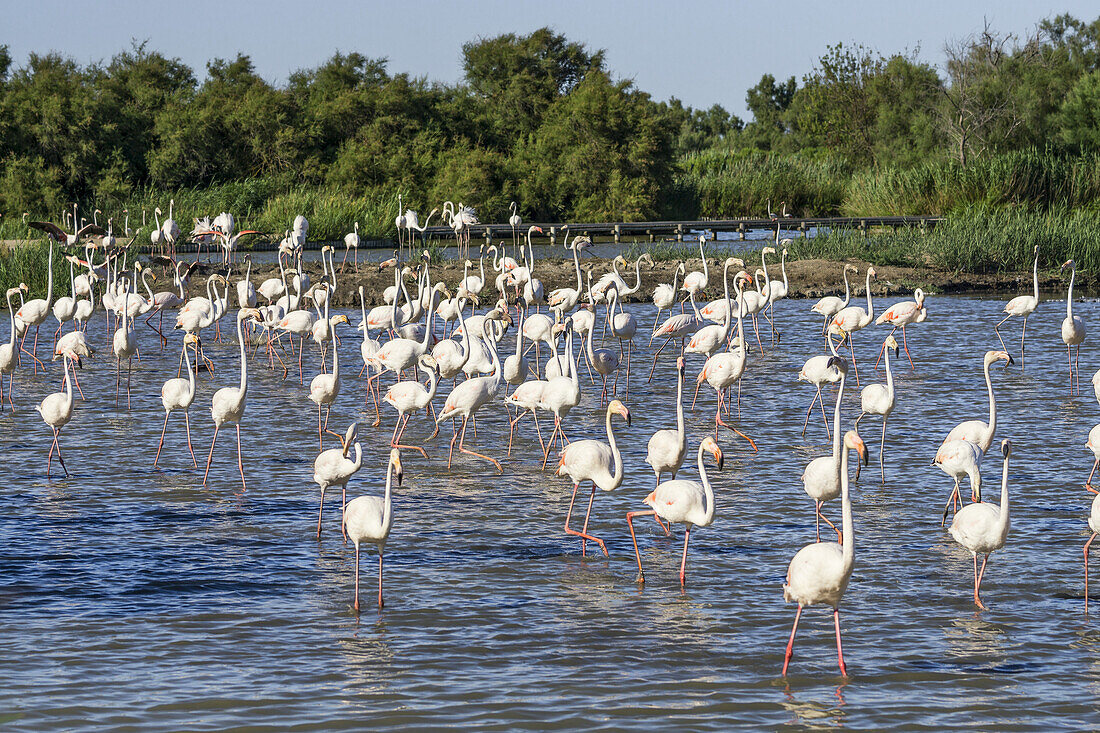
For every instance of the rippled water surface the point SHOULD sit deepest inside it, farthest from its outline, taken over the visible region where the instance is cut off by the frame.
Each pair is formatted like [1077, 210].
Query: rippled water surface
[132, 597]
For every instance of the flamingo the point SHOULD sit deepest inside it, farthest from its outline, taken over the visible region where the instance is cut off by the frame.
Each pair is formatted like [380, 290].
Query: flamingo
[564, 300]
[623, 327]
[124, 344]
[351, 241]
[900, 315]
[367, 350]
[562, 394]
[819, 573]
[57, 234]
[854, 318]
[64, 308]
[514, 221]
[1073, 330]
[8, 356]
[664, 296]
[34, 313]
[878, 399]
[1022, 305]
[830, 305]
[983, 527]
[604, 361]
[822, 477]
[958, 458]
[470, 396]
[369, 519]
[667, 447]
[228, 403]
[1094, 525]
[56, 411]
[325, 388]
[690, 503]
[595, 461]
[178, 394]
[696, 282]
[1093, 444]
[817, 372]
[399, 223]
[410, 396]
[679, 326]
[978, 432]
[333, 468]
[727, 367]
[708, 339]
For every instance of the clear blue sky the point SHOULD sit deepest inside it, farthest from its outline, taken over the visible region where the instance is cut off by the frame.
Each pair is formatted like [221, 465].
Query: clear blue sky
[702, 51]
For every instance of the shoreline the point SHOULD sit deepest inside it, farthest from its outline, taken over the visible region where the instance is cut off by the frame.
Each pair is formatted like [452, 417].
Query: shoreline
[810, 278]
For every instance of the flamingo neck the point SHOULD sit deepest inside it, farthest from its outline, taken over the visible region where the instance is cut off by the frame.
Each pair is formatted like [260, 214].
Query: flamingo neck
[1035, 277]
[190, 374]
[992, 406]
[387, 501]
[68, 385]
[577, 267]
[848, 550]
[847, 289]
[870, 306]
[11, 315]
[728, 322]
[889, 372]
[244, 361]
[708, 517]
[49, 279]
[1002, 517]
[681, 431]
[433, 382]
[1069, 295]
[783, 266]
[837, 440]
[617, 476]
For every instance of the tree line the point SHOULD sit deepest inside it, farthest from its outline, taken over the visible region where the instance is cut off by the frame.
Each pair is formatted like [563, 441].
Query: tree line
[538, 119]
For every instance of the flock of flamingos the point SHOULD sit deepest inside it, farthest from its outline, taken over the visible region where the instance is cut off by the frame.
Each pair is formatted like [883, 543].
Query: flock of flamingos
[521, 382]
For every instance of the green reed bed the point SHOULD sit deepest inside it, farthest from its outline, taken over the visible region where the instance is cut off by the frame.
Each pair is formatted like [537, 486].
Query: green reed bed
[974, 240]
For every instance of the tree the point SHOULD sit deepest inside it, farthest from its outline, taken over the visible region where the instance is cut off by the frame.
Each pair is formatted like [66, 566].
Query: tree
[1080, 114]
[768, 103]
[518, 77]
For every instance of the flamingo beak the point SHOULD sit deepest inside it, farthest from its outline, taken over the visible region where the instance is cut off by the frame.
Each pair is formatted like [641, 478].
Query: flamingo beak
[717, 452]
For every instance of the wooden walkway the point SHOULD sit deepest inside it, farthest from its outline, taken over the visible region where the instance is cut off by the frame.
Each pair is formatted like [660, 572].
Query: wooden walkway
[681, 229]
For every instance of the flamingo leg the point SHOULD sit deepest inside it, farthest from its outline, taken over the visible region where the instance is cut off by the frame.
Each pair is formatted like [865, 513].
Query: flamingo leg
[1023, 332]
[320, 513]
[950, 502]
[462, 449]
[583, 534]
[1088, 483]
[654, 367]
[905, 346]
[839, 648]
[356, 604]
[240, 457]
[881, 450]
[852, 348]
[790, 642]
[1087, 570]
[210, 458]
[684, 559]
[806, 422]
[380, 604]
[839, 536]
[161, 444]
[187, 423]
[978, 581]
[719, 421]
[637, 555]
[1002, 322]
[883, 347]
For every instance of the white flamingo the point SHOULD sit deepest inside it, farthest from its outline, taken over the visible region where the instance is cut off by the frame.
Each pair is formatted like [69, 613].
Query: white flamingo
[819, 573]
[982, 527]
[369, 519]
[1073, 330]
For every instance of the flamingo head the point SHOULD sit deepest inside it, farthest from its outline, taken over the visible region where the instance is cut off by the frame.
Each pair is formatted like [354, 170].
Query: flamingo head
[734, 262]
[992, 357]
[395, 461]
[711, 446]
[680, 365]
[1006, 447]
[892, 343]
[838, 363]
[768, 251]
[871, 272]
[618, 408]
[341, 319]
[852, 441]
[1070, 264]
[918, 295]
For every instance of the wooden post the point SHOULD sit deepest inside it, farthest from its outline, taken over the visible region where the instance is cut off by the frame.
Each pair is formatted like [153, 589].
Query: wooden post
[650, 233]
[553, 236]
[741, 232]
[679, 232]
[863, 227]
[617, 232]
[802, 227]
